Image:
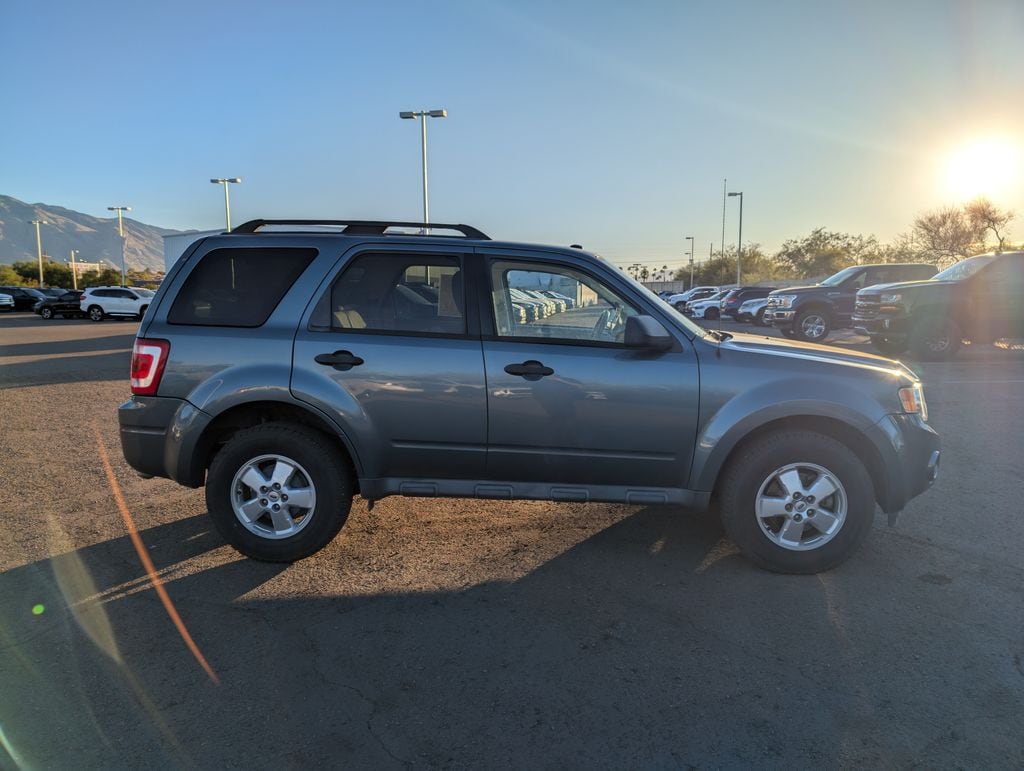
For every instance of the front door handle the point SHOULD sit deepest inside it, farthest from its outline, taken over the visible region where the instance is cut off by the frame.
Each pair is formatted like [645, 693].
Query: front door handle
[530, 370]
[340, 360]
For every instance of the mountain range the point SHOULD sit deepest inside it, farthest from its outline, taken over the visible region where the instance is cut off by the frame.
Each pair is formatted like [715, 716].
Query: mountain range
[94, 238]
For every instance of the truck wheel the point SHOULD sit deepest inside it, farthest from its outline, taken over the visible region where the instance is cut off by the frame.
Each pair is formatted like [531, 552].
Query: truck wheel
[812, 325]
[789, 514]
[279, 492]
[935, 339]
[887, 346]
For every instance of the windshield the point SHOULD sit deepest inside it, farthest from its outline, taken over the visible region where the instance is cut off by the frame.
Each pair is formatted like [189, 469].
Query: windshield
[837, 278]
[36, 293]
[964, 269]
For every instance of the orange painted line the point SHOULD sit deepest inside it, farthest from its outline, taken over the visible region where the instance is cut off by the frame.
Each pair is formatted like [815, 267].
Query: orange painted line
[147, 563]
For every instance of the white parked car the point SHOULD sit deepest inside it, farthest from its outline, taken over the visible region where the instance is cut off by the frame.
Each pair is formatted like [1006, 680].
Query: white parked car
[6, 302]
[708, 308]
[100, 302]
[678, 301]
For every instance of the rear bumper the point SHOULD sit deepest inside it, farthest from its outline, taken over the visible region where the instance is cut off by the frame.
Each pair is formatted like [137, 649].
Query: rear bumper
[911, 459]
[160, 436]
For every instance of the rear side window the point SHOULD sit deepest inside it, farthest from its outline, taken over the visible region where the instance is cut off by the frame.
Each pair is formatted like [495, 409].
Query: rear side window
[238, 287]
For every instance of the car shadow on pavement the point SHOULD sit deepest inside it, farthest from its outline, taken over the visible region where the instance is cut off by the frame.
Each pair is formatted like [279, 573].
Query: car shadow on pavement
[649, 644]
[66, 369]
[44, 348]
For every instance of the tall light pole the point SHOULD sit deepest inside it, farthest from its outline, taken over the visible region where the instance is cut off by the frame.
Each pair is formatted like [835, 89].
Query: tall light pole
[74, 270]
[422, 116]
[739, 245]
[120, 230]
[39, 247]
[690, 239]
[227, 199]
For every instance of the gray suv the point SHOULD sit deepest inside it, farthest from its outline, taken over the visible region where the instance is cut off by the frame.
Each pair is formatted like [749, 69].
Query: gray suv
[289, 365]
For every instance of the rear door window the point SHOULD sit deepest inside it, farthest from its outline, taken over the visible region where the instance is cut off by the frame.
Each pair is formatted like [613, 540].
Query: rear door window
[238, 287]
[420, 294]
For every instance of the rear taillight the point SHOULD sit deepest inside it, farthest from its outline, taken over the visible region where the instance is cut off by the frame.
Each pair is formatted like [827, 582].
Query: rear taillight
[81, 299]
[149, 357]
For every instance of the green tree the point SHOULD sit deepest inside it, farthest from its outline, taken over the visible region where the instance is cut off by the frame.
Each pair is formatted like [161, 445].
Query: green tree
[105, 277]
[720, 269]
[10, 277]
[823, 252]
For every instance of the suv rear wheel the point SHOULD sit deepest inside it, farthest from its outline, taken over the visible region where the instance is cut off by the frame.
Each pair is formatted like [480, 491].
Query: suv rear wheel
[790, 514]
[46, 313]
[279, 492]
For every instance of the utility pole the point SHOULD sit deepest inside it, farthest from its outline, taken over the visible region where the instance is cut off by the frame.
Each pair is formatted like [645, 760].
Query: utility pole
[739, 244]
[690, 239]
[227, 198]
[724, 181]
[74, 271]
[39, 247]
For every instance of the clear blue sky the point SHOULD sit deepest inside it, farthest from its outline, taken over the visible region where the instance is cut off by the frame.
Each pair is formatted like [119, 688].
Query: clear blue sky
[608, 124]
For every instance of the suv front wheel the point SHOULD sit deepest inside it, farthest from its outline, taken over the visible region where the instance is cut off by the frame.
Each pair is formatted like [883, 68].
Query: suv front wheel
[791, 514]
[812, 325]
[279, 492]
[96, 313]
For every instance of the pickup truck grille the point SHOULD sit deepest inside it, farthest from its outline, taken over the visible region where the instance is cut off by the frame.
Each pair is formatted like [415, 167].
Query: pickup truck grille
[867, 306]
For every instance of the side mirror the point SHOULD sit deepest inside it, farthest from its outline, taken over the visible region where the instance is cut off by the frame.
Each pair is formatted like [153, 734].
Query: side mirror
[647, 332]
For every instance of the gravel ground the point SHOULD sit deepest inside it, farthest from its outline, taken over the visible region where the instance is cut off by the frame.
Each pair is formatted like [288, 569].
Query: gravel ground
[481, 634]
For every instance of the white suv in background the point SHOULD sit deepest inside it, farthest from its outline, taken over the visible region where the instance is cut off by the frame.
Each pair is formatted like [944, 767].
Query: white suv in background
[98, 302]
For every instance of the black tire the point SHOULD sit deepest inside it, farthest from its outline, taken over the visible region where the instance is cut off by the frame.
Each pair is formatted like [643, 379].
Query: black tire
[935, 338]
[46, 313]
[95, 313]
[759, 318]
[712, 313]
[816, 319]
[755, 462]
[328, 473]
[142, 312]
[888, 347]
[680, 306]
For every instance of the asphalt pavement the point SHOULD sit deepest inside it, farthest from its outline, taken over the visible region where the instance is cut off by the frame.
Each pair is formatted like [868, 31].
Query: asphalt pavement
[462, 633]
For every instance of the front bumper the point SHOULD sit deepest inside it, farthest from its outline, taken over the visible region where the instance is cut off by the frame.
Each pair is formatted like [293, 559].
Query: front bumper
[891, 327]
[160, 437]
[779, 317]
[912, 464]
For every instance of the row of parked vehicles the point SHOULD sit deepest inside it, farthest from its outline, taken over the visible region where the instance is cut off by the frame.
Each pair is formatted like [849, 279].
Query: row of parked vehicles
[95, 303]
[908, 307]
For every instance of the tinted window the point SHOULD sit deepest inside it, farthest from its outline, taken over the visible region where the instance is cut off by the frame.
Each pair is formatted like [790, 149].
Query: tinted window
[104, 293]
[400, 293]
[70, 297]
[582, 309]
[238, 287]
[126, 295]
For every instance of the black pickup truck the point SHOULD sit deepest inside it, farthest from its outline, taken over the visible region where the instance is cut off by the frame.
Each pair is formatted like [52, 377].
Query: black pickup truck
[980, 299]
[809, 313]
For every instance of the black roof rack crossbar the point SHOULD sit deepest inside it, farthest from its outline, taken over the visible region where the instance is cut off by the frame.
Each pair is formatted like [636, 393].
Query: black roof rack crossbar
[364, 227]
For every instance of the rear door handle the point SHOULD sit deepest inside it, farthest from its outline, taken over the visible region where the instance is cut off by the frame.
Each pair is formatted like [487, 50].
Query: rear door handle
[531, 370]
[340, 360]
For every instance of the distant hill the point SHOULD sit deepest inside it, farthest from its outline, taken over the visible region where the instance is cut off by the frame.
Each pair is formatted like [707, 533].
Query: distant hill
[95, 238]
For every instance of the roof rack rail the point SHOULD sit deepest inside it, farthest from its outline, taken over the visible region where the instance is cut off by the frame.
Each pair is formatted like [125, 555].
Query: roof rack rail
[363, 227]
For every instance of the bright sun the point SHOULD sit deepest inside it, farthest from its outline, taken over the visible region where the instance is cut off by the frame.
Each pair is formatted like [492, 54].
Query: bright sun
[989, 167]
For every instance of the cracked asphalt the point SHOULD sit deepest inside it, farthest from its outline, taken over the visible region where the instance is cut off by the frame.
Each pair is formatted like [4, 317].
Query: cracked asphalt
[459, 633]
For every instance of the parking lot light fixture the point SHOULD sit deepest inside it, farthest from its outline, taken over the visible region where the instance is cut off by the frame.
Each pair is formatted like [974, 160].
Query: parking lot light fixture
[739, 244]
[227, 198]
[422, 116]
[120, 231]
[39, 247]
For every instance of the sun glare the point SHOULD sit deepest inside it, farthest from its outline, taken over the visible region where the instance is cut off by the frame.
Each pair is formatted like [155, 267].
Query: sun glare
[988, 167]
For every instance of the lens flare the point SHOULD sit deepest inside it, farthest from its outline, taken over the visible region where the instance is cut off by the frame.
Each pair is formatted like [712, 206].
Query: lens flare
[987, 167]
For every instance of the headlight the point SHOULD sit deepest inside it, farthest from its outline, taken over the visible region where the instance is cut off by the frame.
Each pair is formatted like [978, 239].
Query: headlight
[891, 299]
[784, 300]
[912, 399]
